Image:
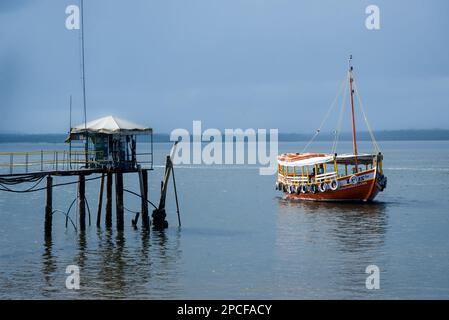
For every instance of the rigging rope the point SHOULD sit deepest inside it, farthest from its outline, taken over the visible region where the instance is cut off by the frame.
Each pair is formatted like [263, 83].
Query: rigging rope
[340, 118]
[317, 132]
[373, 139]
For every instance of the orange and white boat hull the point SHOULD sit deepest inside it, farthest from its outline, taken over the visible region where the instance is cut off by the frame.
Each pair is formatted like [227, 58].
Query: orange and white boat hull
[364, 187]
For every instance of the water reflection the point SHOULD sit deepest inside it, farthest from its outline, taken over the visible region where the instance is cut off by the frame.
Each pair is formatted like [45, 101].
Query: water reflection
[354, 226]
[165, 262]
[327, 246]
[116, 265]
[81, 256]
[49, 263]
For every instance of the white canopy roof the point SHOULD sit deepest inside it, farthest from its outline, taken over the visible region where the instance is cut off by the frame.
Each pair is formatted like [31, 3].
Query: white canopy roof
[306, 162]
[325, 158]
[360, 156]
[111, 125]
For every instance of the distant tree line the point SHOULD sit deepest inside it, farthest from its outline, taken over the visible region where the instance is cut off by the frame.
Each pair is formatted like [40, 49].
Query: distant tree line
[386, 135]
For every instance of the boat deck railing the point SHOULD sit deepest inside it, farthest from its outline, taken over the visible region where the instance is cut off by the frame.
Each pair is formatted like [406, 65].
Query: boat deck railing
[325, 176]
[300, 179]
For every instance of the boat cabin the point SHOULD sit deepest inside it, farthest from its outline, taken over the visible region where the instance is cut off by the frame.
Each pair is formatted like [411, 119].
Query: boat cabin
[311, 168]
[319, 176]
[110, 143]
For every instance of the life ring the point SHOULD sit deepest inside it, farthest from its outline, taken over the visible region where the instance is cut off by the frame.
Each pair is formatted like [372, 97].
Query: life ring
[334, 185]
[323, 187]
[303, 188]
[313, 188]
[354, 179]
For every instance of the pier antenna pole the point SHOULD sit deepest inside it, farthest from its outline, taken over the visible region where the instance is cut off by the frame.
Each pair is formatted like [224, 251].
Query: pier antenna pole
[86, 144]
[49, 208]
[82, 201]
[119, 200]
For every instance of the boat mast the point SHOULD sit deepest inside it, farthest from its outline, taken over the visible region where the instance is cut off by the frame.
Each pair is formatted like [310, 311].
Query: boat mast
[354, 135]
[86, 144]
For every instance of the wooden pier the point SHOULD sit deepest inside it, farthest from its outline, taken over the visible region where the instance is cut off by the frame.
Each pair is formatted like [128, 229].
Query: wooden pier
[115, 157]
[82, 178]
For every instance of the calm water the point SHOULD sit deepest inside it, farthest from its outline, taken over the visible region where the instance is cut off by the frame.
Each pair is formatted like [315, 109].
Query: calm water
[240, 238]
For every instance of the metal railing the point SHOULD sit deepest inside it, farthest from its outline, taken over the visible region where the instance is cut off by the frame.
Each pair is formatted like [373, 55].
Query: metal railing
[325, 176]
[300, 179]
[305, 179]
[64, 160]
[49, 160]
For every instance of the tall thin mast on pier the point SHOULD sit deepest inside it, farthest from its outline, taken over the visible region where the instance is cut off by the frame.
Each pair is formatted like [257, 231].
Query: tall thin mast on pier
[86, 144]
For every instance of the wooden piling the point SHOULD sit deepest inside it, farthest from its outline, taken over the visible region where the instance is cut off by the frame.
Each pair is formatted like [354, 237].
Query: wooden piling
[100, 201]
[108, 214]
[82, 201]
[144, 199]
[159, 214]
[49, 208]
[119, 201]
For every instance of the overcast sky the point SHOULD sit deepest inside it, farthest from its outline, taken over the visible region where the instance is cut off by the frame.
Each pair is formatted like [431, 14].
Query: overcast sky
[229, 63]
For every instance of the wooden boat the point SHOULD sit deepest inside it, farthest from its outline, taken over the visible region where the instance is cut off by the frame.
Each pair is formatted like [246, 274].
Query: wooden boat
[333, 176]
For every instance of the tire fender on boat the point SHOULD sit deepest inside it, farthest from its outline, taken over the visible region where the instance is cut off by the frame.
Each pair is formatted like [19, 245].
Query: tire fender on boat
[354, 179]
[323, 187]
[291, 189]
[313, 188]
[334, 185]
[303, 188]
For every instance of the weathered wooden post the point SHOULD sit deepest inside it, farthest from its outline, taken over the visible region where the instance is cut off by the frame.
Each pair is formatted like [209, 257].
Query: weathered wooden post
[159, 214]
[108, 214]
[119, 201]
[82, 201]
[144, 198]
[49, 208]
[100, 201]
